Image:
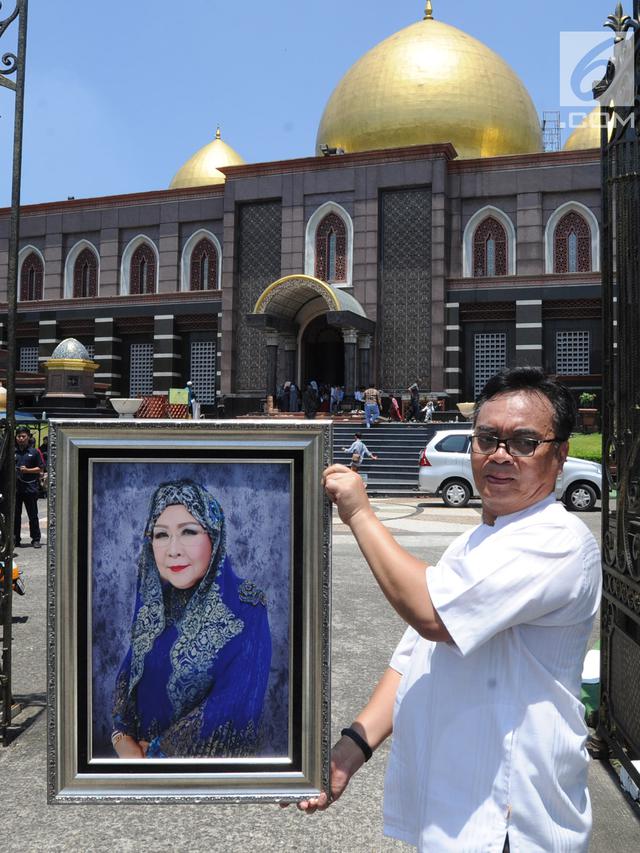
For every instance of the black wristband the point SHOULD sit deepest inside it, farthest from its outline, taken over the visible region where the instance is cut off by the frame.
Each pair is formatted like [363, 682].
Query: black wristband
[360, 741]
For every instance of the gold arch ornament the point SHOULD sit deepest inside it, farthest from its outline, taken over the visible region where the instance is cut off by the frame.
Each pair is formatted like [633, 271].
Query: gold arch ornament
[287, 283]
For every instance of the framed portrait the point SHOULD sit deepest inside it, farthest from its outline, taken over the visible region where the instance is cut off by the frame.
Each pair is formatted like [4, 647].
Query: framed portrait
[188, 610]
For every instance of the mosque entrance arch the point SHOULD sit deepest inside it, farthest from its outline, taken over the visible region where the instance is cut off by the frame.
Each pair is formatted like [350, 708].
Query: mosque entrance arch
[336, 338]
[322, 353]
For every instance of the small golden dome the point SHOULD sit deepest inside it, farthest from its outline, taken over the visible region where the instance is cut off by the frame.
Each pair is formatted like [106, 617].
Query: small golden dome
[431, 83]
[202, 169]
[586, 134]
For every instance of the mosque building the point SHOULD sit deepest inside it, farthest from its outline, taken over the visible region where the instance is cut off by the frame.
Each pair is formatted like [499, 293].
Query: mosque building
[430, 237]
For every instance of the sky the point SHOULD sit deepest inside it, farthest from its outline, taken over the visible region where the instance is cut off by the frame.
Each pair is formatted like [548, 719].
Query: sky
[119, 95]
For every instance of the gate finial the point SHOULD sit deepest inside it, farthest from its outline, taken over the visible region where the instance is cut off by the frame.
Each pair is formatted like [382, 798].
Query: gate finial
[619, 23]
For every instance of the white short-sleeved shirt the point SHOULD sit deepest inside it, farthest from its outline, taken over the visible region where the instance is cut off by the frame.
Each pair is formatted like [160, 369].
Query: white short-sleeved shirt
[489, 734]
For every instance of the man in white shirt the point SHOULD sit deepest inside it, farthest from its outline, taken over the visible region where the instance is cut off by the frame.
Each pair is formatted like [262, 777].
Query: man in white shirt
[481, 693]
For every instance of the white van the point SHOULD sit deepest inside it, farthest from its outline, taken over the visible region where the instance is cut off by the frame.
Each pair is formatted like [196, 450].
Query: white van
[445, 470]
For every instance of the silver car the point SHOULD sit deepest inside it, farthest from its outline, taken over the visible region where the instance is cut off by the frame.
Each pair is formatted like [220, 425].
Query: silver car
[445, 470]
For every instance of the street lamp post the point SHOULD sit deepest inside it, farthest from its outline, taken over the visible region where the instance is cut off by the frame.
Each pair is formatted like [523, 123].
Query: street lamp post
[11, 64]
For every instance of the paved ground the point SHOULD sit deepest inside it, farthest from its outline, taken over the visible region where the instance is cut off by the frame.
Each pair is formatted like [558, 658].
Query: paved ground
[364, 633]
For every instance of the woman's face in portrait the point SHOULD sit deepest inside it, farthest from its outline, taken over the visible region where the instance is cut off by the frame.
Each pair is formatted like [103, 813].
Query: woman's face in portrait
[181, 547]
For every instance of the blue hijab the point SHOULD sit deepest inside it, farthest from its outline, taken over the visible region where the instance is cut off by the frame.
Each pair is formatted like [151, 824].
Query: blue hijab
[193, 681]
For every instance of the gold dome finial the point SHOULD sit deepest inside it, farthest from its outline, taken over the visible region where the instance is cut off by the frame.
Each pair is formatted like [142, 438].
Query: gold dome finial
[428, 12]
[203, 168]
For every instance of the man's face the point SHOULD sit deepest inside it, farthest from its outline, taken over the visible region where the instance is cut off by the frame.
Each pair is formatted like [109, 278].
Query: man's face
[23, 440]
[506, 483]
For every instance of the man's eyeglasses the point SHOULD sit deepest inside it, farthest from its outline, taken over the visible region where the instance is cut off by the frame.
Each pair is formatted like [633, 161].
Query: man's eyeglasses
[488, 444]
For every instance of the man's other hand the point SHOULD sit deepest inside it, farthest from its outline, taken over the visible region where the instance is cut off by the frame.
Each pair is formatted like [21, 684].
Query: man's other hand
[346, 759]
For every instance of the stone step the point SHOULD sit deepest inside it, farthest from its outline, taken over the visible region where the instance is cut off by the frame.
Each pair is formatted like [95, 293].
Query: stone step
[389, 460]
[405, 450]
[384, 462]
[395, 473]
[383, 489]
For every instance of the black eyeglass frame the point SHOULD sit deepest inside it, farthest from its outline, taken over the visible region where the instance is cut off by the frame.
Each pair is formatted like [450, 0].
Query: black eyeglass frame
[505, 442]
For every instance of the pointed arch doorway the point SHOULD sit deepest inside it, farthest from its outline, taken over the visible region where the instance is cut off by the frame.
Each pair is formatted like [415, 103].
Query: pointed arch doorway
[332, 321]
[322, 353]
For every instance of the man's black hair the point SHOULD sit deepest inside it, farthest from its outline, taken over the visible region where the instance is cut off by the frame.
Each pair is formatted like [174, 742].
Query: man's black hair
[533, 380]
[22, 429]
[358, 435]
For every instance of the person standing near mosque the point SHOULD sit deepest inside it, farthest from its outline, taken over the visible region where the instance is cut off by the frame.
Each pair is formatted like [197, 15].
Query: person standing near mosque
[310, 400]
[294, 397]
[414, 391]
[28, 471]
[482, 692]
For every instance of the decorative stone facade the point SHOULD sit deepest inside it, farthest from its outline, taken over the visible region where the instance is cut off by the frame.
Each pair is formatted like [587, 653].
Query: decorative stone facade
[404, 322]
[259, 243]
[391, 226]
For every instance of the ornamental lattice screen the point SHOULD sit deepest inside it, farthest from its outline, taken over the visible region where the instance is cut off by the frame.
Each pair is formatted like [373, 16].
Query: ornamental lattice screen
[620, 647]
[404, 320]
[259, 246]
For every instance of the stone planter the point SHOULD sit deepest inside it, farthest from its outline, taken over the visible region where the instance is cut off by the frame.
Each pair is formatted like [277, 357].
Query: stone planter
[588, 420]
[126, 407]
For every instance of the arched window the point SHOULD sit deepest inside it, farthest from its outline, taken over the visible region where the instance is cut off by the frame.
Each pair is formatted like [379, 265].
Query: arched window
[203, 274]
[328, 253]
[142, 276]
[31, 278]
[490, 249]
[572, 244]
[331, 249]
[85, 275]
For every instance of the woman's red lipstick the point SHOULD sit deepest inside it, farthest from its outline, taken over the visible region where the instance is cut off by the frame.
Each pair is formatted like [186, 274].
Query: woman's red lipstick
[178, 568]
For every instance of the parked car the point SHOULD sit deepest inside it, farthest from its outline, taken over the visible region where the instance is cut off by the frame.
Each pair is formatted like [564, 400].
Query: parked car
[445, 470]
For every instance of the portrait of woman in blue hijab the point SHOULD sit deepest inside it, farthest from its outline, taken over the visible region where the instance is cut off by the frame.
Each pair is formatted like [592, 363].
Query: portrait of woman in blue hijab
[192, 683]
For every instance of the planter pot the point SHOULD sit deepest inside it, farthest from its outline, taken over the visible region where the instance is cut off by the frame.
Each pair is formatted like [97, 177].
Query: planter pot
[588, 420]
[126, 407]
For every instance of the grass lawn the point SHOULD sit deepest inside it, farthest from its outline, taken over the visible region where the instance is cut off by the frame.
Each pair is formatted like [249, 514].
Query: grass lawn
[586, 446]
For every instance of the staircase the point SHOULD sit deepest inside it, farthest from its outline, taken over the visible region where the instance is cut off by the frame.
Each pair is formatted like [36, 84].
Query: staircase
[398, 447]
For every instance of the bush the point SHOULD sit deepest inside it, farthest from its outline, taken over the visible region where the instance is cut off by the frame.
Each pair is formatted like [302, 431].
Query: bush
[587, 399]
[586, 446]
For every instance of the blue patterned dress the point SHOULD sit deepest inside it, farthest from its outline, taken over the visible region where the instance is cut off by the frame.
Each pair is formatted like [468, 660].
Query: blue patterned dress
[193, 681]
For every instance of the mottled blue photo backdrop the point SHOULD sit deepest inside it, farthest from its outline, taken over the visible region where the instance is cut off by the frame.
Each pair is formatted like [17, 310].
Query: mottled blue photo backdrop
[256, 499]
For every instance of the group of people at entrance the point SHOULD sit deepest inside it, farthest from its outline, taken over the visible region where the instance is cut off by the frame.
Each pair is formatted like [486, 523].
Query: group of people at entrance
[318, 397]
[315, 398]
[288, 397]
[373, 406]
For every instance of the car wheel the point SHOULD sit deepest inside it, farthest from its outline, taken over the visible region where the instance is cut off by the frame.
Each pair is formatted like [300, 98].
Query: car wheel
[456, 493]
[580, 497]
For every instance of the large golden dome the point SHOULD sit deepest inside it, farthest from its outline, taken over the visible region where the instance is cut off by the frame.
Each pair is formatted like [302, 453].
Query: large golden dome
[202, 169]
[586, 134]
[431, 83]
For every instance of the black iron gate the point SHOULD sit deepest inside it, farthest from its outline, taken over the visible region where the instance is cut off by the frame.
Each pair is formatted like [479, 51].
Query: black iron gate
[13, 63]
[620, 646]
